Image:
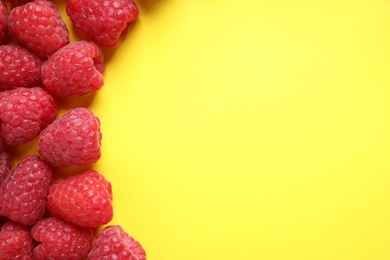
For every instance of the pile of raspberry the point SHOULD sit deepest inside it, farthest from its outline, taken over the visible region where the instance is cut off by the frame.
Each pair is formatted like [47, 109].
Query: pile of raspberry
[44, 215]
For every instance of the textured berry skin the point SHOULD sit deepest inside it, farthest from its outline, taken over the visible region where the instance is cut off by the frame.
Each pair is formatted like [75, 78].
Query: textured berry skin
[114, 243]
[15, 242]
[11, 226]
[60, 240]
[105, 21]
[5, 165]
[83, 199]
[3, 22]
[24, 112]
[23, 194]
[72, 140]
[74, 70]
[18, 67]
[39, 26]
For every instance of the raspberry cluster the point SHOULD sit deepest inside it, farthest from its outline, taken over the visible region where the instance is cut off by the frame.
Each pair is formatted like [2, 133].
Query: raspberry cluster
[42, 214]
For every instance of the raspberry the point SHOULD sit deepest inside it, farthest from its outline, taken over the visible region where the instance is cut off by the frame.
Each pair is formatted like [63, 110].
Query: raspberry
[3, 21]
[23, 194]
[105, 21]
[5, 165]
[39, 26]
[60, 240]
[18, 67]
[74, 70]
[15, 242]
[10, 226]
[72, 140]
[24, 112]
[114, 243]
[83, 199]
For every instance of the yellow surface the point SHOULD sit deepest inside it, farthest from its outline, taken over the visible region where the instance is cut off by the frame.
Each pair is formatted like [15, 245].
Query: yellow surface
[251, 130]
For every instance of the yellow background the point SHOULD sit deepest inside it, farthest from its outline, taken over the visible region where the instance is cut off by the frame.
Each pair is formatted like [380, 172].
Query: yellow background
[250, 130]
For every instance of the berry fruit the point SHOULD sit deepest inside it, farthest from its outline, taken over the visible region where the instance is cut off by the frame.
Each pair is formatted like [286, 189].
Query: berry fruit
[23, 194]
[15, 242]
[83, 199]
[5, 165]
[60, 240]
[3, 21]
[74, 70]
[72, 140]
[114, 243]
[105, 21]
[39, 26]
[24, 113]
[18, 67]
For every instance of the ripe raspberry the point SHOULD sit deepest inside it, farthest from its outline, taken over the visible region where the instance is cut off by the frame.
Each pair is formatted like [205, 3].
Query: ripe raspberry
[72, 140]
[18, 67]
[11, 226]
[39, 26]
[83, 199]
[114, 243]
[3, 21]
[105, 21]
[23, 194]
[5, 165]
[15, 242]
[74, 70]
[60, 240]
[24, 112]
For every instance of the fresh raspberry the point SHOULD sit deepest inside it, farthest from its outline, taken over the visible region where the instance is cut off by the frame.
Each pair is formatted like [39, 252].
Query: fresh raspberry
[72, 140]
[23, 194]
[114, 243]
[15, 242]
[18, 67]
[74, 70]
[5, 165]
[11, 226]
[24, 112]
[39, 26]
[3, 21]
[83, 199]
[60, 240]
[105, 21]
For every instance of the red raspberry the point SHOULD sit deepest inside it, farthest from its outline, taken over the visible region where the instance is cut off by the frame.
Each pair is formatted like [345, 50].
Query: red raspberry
[83, 199]
[18, 67]
[74, 70]
[72, 140]
[23, 194]
[10, 226]
[24, 112]
[114, 243]
[15, 242]
[39, 26]
[60, 240]
[105, 21]
[5, 165]
[3, 21]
